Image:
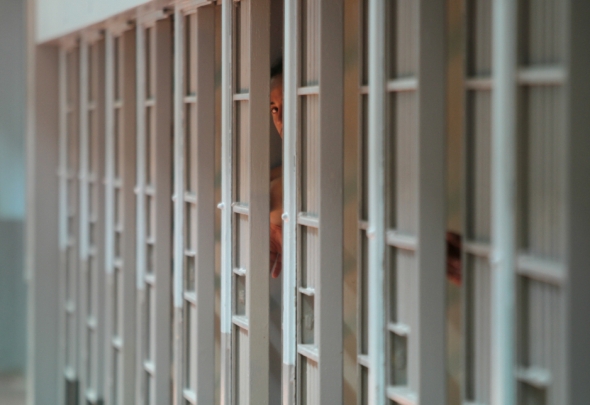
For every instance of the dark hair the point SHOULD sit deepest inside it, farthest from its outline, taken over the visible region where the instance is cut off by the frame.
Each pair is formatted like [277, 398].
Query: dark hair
[276, 68]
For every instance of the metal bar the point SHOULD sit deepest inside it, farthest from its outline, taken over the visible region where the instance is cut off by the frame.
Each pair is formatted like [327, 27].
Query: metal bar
[290, 198]
[402, 84]
[578, 201]
[431, 254]
[547, 271]
[226, 199]
[503, 388]
[331, 127]
[541, 76]
[376, 214]
[180, 357]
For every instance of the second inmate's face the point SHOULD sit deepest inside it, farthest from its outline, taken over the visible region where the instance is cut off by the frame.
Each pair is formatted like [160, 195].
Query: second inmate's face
[276, 102]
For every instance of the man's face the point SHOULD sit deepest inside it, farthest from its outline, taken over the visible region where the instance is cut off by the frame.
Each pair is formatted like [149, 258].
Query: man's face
[276, 102]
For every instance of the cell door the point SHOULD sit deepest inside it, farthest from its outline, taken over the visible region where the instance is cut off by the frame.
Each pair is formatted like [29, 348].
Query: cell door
[120, 215]
[406, 217]
[154, 208]
[69, 59]
[194, 204]
[91, 226]
[245, 202]
[312, 221]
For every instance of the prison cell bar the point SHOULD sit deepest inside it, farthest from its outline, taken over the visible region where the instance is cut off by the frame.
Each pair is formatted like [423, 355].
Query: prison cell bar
[154, 188]
[120, 205]
[503, 390]
[245, 202]
[194, 228]
[91, 277]
[68, 226]
[321, 56]
[428, 384]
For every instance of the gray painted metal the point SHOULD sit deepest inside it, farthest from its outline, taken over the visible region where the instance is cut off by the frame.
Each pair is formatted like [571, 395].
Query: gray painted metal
[194, 270]
[245, 194]
[120, 217]
[45, 294]
[91, 174]
[313, 202]
[503, 387]
[577, 202]
[154, 188]
[69, 221]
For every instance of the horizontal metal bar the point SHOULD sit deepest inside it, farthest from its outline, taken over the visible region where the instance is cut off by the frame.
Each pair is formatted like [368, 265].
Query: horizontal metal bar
[479, 249]
[363, 360]
[117, 342]
[150, 102]
[190, 99]
[150, 240]
[190, 6]
[190, 396]
[536, 376]
[541, 76]
[91, 396]
[240, 321]
[190, 253]
[540, 269]
[402, 84]
[241, 96]
[402, 395]
[149, 367]
[309, 291]
[69, 373]
[309, 220]
[190, 197]
[118, 104]
[91, 322]
[91, 105]
[191, 297]
[117, 182]
[117, 263]
[399, 329]
[150, 190]
[239, 271]
[401, 241]
[309, 351]
[364, 89]
[150, 279]
[70, 307]
[308, 91]
[364, 225]
[240, 208]
[479, 83]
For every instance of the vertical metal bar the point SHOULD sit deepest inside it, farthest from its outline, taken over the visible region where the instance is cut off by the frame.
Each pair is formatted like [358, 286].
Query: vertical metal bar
[431, 253]
[179, 133]
[45, 193]
[331, 126]
[290, 198]
[154, 283]
[376, 214]
[578, 201]
[226, 198]
[205, 216]
[258, 275]
[503, 207]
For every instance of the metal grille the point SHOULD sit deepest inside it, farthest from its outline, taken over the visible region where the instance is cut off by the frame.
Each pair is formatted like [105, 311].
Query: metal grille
[245, 202]
[312, 314]
[405, 226]
[69, 222]
[194, 236]
[120, 261]
[154, 189]
[541, 194]
[477, 216]
[91, 276]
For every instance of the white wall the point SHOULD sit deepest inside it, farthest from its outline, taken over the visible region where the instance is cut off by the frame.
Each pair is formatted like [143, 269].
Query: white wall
[58, 17]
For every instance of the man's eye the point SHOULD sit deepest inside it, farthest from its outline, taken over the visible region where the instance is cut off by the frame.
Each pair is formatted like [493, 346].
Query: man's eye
[274, 110]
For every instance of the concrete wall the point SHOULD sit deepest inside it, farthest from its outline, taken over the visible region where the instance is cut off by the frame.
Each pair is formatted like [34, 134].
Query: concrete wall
[59, 17]
[12, 184]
